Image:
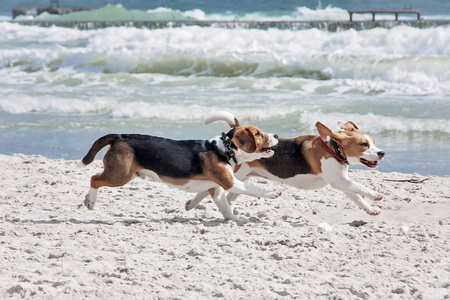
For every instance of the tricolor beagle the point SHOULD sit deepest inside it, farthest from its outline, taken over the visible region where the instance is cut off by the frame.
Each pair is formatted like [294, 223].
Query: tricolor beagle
[312, 162]
[191, 165]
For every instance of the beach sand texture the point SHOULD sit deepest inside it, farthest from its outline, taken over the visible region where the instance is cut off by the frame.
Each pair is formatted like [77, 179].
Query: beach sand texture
[140, 243]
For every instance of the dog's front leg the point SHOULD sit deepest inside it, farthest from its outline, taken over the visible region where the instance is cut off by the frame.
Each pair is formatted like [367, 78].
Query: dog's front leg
[353, 191]
[197, 199]
[231, 198]
[344, 184]
[220, 200]
[365, 192]
[363, 204]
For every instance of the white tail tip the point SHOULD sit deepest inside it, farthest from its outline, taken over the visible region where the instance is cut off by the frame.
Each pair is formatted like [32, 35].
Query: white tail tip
[221, 116]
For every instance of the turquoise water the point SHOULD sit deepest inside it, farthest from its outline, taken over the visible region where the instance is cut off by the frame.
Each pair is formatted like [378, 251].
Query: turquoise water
[435, 9]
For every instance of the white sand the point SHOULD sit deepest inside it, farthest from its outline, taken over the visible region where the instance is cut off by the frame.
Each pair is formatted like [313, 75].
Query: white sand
[139, 243]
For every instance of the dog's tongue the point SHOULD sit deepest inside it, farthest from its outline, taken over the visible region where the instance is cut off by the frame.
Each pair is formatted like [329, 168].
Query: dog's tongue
[370, 164]
[266, 150]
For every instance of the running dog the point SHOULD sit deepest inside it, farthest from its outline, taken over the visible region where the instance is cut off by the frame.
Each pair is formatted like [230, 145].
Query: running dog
[312, 162]
[191, 165]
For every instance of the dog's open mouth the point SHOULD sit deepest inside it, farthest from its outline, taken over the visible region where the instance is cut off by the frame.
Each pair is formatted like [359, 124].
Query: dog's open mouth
[369, 163]
[267, 151]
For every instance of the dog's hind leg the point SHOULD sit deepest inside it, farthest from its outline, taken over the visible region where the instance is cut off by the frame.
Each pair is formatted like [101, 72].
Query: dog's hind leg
[103, 179]
[90, 198]
[240, 187]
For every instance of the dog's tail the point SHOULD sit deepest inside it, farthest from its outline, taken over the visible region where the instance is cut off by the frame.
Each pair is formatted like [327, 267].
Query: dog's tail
[223, 116]
[96, 147]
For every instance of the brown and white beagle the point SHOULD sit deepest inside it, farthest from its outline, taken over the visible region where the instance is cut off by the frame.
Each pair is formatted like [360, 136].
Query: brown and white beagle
[191, 165]
[312, 162]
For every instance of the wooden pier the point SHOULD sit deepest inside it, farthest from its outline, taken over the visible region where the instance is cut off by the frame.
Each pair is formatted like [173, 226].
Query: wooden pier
[384, 12]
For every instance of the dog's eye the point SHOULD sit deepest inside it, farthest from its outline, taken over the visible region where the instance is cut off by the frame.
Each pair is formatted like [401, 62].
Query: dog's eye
[365, 145]
[257, 134]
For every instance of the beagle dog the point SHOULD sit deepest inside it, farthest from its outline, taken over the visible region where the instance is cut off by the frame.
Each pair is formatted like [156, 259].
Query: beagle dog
[191, 165]
[312, 162]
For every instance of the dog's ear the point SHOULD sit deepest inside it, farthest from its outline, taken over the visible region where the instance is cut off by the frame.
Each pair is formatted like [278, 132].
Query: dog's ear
[349, 126]
[244, 139]
[324, 131]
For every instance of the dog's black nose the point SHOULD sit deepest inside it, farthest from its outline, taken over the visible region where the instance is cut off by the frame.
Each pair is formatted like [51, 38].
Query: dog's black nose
[381, 154]
[275, 136]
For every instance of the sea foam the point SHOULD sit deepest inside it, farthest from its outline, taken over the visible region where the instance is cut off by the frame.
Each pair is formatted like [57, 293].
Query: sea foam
[402, 55]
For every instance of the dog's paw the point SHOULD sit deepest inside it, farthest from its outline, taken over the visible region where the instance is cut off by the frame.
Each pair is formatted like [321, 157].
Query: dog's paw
[188, 206]
[191, 204]
[373, 196]
[88, 203]
[373, 211]
[273, 195]
[378, 197]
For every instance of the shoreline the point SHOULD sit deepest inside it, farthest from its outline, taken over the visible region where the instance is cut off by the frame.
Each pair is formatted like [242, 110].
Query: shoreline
[139, 242]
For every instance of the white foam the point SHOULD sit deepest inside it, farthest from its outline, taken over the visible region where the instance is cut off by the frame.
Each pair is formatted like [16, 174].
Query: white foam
[329, 13]
[401, 55]
[185, 73]
[144, 110]
[20, 104]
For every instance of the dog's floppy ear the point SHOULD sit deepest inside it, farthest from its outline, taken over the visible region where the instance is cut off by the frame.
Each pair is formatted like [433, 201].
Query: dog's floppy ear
[244, 139]
[349, 126]
[324, 131]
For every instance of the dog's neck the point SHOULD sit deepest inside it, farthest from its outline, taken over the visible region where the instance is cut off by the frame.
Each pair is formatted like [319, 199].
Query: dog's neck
[336, 152]
[226, 141]
[226, 149]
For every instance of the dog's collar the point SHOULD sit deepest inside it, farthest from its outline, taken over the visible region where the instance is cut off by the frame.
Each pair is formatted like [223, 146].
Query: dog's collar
[227, 143]
[336, 153]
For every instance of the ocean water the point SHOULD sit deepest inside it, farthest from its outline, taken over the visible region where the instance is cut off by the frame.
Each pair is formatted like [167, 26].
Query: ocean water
[61, 88]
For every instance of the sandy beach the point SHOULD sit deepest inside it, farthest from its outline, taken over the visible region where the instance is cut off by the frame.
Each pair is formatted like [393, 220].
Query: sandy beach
[140, 243]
